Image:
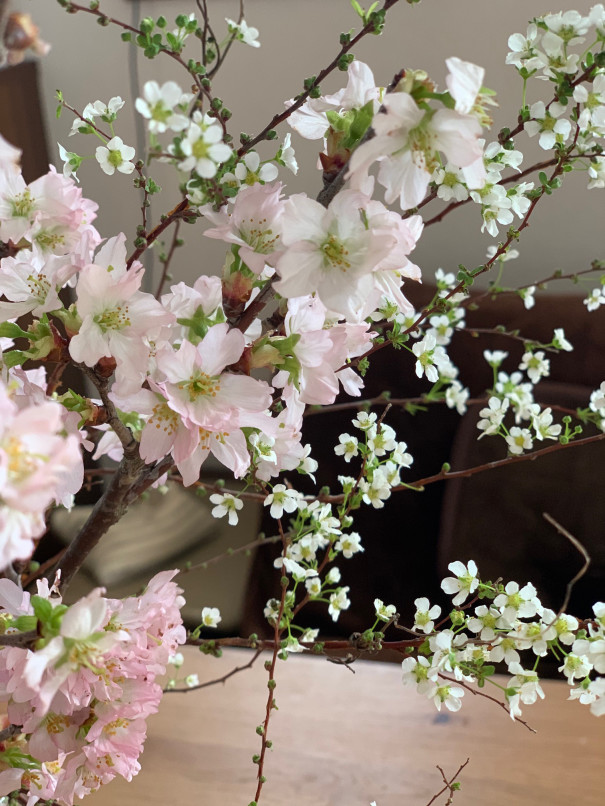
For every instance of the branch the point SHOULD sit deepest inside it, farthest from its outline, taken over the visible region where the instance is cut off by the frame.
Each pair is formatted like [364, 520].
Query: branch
[20, 639]
[260, 541]
[481, 693]
[222, 679]
[169, 256]
[174, 215]
[577, 545]
[270, 667]
[131, 479]
[509, 460]
[448, 785]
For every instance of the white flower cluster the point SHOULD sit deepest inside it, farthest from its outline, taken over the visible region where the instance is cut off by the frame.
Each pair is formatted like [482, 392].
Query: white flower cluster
[512, 620]
[383, 457]
[512, 393]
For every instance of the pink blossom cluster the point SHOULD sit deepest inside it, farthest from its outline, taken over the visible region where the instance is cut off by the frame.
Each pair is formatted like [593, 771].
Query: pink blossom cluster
[81, 700]
[183, 371]
[48, 225]
[40, 462]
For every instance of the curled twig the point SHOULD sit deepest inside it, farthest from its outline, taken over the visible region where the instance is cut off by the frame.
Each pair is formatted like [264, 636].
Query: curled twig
[579, 547]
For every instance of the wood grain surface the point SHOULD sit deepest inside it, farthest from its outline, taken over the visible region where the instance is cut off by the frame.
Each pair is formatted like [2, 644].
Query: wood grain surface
[344, 739]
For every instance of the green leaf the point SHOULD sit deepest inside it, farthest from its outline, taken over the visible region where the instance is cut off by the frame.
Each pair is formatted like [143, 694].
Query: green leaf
[10, 330]
[358, 9]
[362, 120]
[42, 608]
[14, 358]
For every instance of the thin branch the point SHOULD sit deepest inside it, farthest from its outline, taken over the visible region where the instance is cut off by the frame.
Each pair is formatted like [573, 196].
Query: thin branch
[175, 214]
[503, 705]
[271, 670]
[509, 460]
[222, 679]
[169, 256]
[21, 639]
[44, 567]
[580, 548]
[122, 431]
[260, 541]
[256, 306]
[448, 785]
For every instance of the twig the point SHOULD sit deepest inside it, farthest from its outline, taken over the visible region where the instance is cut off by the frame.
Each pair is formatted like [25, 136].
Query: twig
[174, 215]
[260, 541]
[448, 785]
[169, 256]
[122, 431]
[481, 693]
[255, 307]
[44, 567]
[10, 731]
[271, 682]
[222, 679]
[580, 548]
[509, 460]
[21, 639]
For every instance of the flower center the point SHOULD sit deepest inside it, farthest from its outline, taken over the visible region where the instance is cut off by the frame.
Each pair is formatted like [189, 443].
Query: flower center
[115, 158]
[199, 149]
[335, 253]
[113, 319]
[22, 204]
[38, 285]
[21, 463]
[49, 241]
[200, 385]
[259, 237]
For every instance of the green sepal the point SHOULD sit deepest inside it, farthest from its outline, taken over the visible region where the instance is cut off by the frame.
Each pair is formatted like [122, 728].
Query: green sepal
[15, 758]
[14, 358]
[10, 330]
[24, 623]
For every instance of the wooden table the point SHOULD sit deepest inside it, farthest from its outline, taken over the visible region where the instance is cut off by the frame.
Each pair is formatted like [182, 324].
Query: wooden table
[343, 739]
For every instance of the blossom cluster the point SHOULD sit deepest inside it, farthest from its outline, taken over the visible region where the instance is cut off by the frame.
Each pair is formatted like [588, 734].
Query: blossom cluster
[78, 704]
[211, 368]
[40, 462]
[511, 621]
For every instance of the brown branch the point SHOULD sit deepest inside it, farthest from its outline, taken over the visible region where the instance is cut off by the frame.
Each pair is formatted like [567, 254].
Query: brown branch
[20, 639]
[222, 679]
[580, 548]
[131, 479]
[44, 567]
[271, 682]
[448, 785]
[260, 541]
[256, 306]
[169, 256]
[509, 460]
[174, 215]
[503, 705]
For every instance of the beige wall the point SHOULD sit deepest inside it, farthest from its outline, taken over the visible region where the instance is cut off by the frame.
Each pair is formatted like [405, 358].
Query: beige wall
[299, 36]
